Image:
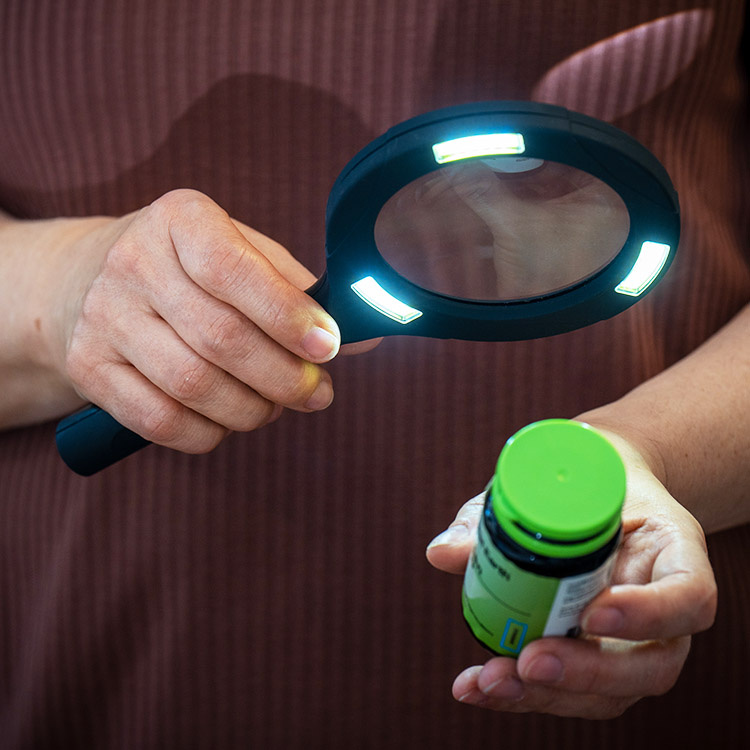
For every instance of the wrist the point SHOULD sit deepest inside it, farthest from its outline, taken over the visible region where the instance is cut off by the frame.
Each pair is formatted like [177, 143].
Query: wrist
[43, 270]
[635, 446]
[76, 249]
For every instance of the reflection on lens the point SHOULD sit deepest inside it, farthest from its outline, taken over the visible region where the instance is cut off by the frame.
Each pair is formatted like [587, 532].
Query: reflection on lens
[487, 230]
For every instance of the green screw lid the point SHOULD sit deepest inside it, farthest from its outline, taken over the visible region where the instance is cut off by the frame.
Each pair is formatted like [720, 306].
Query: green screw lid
[558, 488]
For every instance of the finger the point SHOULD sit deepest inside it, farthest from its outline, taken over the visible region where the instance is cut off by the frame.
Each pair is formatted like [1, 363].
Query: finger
[217, 257]
[605, 667]
[283, 261]
[107, 378]
[681, 599]
[191, 380]
[360, 347]
[287, 265]
[225, 337]
[450, 550]
[142, 407]
[497, 687]
[466, 690]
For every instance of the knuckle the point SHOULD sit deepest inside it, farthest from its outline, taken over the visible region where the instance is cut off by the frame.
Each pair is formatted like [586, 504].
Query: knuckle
[254, 417]
[208, 440]
[85, 373]
[86, 360]
[126, 259]
[162, 424]
[545, 702]
[664, 679]
[471, 510]
[706, 609]
[227, 336]
[591, 679]
[665, 660]
[193, 380]
[278, 307]
[225, 265]
[184, 201]
[77, 363]
[610, 708]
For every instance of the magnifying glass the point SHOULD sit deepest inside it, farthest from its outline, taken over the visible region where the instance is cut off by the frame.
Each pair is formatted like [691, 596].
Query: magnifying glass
[492, 221]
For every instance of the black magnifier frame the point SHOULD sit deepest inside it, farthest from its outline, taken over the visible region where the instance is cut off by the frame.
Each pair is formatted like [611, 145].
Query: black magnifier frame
[91, 439]
[550, 133]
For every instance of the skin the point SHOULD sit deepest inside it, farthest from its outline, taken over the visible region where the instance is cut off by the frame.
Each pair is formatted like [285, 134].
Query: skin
[687, 476]
[181, 322]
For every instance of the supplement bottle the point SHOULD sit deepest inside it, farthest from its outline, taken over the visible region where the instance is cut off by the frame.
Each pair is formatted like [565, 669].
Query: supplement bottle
[548, 535]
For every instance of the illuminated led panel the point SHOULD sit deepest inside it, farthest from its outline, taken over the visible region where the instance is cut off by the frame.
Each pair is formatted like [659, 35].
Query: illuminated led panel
[650, 261]
[486, 144]
[375, 296]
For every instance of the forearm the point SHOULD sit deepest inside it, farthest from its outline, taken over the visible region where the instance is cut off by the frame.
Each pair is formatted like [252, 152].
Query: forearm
[691, 424]
[37, 261]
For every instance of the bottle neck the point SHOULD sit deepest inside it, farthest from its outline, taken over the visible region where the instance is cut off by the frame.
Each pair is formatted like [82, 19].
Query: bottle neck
[556, 567]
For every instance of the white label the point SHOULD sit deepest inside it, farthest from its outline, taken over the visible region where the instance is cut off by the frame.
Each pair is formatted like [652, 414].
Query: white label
[573, 594]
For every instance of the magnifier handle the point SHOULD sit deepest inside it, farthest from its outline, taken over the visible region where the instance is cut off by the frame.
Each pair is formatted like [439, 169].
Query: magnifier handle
[91, 440]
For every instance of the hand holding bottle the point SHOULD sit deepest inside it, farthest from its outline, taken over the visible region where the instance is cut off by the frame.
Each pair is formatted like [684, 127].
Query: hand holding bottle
[636, 634]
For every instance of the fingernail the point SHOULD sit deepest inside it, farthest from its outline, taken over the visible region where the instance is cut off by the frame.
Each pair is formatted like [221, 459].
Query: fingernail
[452, 535]
[605, 621]
[507, 688]
[322, 396]
[545, 668]
[321, 345]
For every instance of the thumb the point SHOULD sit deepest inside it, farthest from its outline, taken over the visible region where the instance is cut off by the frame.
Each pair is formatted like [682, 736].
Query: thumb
[450, 550]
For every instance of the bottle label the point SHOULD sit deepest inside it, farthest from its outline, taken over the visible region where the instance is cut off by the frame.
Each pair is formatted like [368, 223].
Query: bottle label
[507, 607]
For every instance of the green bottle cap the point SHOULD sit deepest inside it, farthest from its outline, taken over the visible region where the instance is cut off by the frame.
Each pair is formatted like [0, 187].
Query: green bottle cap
[558, 488]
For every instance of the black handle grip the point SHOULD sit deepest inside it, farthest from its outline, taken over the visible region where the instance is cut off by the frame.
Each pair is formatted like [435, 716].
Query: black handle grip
[91, 440]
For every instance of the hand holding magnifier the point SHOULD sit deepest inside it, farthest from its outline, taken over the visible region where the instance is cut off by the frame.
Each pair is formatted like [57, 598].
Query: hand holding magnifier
[491, 221]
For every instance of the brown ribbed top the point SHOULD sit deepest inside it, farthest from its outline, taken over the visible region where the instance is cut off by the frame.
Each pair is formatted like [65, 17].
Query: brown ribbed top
[274, 594]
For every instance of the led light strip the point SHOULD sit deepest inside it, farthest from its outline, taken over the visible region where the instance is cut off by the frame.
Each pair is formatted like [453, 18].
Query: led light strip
[376, 297]
[486, 144]
[650, 261]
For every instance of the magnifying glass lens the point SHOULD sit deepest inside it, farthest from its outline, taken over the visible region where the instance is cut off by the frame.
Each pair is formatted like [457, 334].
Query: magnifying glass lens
[502, 228]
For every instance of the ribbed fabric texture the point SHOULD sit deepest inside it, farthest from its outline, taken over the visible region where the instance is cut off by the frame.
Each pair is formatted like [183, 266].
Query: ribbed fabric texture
[274, 594]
